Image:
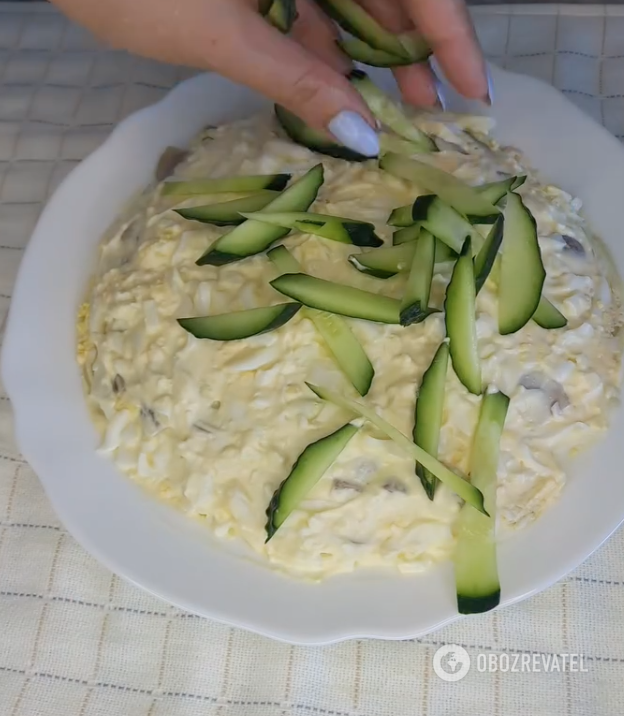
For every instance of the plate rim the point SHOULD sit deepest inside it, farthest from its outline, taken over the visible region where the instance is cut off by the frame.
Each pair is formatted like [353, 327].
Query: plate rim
[21, 405]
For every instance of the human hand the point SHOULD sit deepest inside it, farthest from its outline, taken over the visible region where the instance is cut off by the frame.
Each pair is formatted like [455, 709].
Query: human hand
[305, 71]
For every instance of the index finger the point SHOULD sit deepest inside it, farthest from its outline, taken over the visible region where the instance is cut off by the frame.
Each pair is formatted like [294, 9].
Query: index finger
[447, 27]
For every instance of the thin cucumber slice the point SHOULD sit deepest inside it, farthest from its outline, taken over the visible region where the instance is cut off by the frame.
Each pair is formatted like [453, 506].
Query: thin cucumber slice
[476, 572]
[336, 298]
[401, 216]
[359, 51]
[548, 316]
[460, 487]
[392, 143]
[428, 414]
[301, 133]
[228, 213]
[486, 257]
[353, 18]
[345, 348]
[335, 228]
[273, 182]
[444, 254]
[252, 237]
[451, 190]
[415, 304]
[386, 262]
[240, 324]
[311, 465]
[409, 234]
[443, 222]
[522, 270]
[388, 112]
[280, 13]
[391, 260]
[461, 325]
[342, 343]
[406, 235]
[495, 191]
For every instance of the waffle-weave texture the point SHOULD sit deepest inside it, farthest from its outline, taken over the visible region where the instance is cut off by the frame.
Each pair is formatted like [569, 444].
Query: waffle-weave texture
[77, 641]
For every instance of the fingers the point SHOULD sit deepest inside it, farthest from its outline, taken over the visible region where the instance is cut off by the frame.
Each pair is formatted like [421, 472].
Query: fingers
[448, 29]
[248, 50]
[417, 85]
[416, 82]
[318, 34]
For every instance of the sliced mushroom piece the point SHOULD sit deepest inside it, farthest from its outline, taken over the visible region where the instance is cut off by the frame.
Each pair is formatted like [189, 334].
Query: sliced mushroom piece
[346, 485]
[552, 389]
[393, 485]
[119, 384]
[573, 246]
[203, 428]
[169, 160]
[150, 421]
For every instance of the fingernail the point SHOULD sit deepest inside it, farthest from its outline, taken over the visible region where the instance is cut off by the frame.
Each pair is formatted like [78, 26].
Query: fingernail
[439, 90]
[355, 133]
[490, 92]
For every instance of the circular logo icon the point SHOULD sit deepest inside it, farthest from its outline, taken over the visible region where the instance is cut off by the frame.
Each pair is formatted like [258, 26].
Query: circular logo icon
[451, 662]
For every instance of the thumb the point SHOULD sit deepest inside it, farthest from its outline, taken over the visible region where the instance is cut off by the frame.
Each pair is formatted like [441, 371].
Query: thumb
[255, 54]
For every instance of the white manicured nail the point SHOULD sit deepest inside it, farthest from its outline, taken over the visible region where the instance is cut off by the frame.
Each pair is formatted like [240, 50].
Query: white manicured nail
[490, 84]
[439, 90]
[355, 133]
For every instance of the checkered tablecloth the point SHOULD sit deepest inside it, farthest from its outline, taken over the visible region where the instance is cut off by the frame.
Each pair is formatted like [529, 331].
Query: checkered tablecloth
[76, 640]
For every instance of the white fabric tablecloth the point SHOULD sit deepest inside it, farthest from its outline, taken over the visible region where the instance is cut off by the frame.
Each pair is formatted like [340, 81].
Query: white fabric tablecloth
[77, 641]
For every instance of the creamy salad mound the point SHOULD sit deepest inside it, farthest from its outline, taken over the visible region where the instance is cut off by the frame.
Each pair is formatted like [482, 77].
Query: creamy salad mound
[215, 426]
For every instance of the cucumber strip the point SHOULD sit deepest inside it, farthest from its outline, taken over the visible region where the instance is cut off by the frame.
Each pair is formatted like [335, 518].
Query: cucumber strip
[359, 51]
[386, 262]
[486, 257]
[356, 21]
[522, 270]
[273, 182]
[496, 190]
[335, 228]
[240, 324]
[280, 13]
[461, 325]
[392, 143]
[346, 349]
[476, 572]
[301, 133]
[348, 232]
[415, 304]
[228, 213]
[444, 254]
[391, 260]
[389, 113]
[409, 234]
[460, 487]
[547, 316]
[336, 298]
[443, 222]
[401, 216]
[406, 235]
[310, 466]
[252, 237]
[342, 343]
[451, 190]
[428, 414]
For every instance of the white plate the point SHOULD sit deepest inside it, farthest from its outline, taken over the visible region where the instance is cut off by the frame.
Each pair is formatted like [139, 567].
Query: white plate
[176, 559]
